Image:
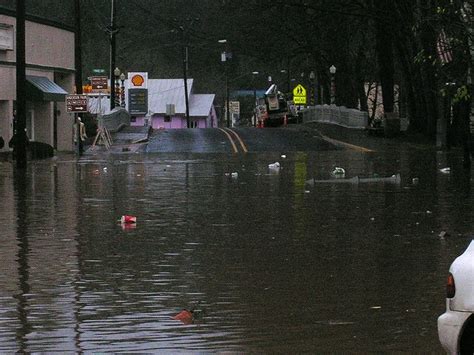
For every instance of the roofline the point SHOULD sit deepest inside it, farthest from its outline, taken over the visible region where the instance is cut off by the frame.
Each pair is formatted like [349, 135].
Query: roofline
[37, 19]
[38, 66]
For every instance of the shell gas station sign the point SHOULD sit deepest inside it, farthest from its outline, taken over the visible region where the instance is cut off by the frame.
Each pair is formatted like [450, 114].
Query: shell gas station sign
[137, 80]
[138, 93]
[299, 95]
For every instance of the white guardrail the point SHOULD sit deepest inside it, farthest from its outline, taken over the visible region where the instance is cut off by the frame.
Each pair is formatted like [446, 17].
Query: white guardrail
[340, 115]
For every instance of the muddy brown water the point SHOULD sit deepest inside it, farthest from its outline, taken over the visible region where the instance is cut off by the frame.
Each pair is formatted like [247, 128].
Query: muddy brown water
[267, 261]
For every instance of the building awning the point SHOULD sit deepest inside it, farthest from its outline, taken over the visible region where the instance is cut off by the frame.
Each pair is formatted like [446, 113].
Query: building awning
[40, 88]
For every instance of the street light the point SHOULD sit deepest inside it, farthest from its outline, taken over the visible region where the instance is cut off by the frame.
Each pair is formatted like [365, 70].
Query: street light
[116, 88]
[224, 56]
[122, 90]
[287, 72]
[312, 78]
[332, 70]
[255, 73]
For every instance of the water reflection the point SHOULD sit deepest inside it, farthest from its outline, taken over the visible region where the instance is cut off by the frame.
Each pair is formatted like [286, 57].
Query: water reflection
[274, 264]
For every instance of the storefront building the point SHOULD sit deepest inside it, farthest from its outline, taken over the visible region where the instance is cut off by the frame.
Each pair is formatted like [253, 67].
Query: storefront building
[49, 75]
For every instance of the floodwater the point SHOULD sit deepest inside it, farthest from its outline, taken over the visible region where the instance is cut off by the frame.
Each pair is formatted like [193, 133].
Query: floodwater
[268, 262]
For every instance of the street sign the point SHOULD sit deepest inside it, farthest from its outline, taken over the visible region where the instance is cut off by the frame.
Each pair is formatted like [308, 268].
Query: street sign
[234, 107]
[99, 82]
[299, 95]
[76, 103]
[98, 71]
[138, 101]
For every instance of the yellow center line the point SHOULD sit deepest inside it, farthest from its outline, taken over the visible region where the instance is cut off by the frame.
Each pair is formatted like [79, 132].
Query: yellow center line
[231, 140]
[244, 148]
[351, 146]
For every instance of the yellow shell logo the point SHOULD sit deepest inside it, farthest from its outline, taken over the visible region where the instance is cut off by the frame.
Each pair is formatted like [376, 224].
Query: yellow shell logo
[138, 80]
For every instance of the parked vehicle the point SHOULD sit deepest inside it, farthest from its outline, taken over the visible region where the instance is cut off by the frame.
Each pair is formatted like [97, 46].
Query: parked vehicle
[273, 110]
[456, 325]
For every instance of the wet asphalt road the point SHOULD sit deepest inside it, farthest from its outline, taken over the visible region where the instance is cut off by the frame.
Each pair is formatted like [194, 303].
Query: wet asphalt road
[238, 140]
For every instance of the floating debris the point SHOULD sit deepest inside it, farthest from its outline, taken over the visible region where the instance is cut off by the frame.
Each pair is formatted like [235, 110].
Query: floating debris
[415, 181]
[274, 166]
[185, 316]
[126, 219]
[395, 179]
[339, 172]
[445, 170]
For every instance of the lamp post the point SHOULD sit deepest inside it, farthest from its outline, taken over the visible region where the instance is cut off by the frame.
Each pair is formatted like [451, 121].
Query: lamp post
[122, 90]
[332, 70]
[287, 72]
[312, 76]
[254, 73]
[224, 57]
[116, 89]
[112, 32]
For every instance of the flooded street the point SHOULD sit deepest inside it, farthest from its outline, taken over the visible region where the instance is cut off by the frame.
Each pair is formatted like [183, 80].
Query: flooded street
[268, 262]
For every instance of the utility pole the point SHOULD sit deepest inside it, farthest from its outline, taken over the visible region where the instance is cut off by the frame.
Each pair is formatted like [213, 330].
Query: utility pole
[112, 32]
[20, 139]
[184, 39]
[78, 47]
[78, 66]
[185, 69]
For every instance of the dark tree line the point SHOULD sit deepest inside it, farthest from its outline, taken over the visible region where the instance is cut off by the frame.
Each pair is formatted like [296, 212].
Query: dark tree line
[393, 43]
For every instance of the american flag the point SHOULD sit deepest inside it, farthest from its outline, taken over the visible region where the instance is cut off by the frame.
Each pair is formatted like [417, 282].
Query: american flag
[443, 48]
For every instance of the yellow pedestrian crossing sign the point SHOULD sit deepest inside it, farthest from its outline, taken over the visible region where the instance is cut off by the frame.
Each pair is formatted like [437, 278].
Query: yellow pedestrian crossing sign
[299, 95]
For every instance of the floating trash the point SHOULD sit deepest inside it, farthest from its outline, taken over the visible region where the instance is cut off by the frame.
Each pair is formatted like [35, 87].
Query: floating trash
[283, 156]
[394, 179]
[274, 166]
[234, 175]
[339, 172]
[185, 316]
[126, 219]
[415, 181]
[445, 170]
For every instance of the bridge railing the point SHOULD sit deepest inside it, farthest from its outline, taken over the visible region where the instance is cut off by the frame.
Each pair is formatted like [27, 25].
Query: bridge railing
[339, 115]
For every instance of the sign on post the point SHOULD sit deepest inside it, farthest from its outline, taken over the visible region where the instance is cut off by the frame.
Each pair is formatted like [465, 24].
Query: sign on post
[98, 71]
[99, 82]
[299, 95]
[76, 103]
[138, 101]
[234, 107]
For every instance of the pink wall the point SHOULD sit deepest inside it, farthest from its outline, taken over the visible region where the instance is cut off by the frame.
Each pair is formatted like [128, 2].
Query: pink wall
[158, 122]
[139, 121]
[176, 122]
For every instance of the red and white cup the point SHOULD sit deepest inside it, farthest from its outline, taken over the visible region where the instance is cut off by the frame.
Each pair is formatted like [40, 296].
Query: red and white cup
[126, 219]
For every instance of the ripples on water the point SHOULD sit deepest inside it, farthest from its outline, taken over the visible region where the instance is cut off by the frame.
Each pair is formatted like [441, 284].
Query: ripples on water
[269, 262]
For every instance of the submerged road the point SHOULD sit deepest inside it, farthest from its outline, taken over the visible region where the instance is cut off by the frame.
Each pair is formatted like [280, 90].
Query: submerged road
[238, 140]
